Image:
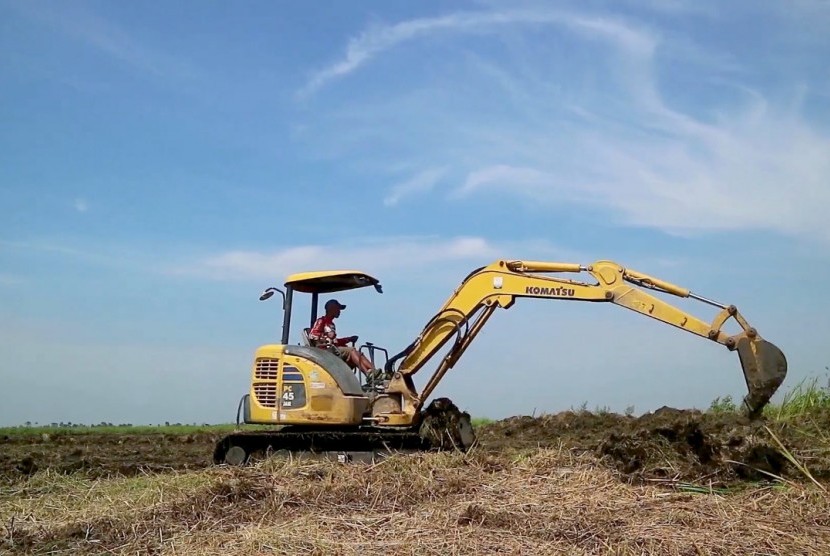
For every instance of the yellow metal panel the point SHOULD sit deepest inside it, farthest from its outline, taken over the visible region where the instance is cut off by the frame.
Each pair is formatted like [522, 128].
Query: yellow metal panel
[326, 281]
[542, 266]
[289, 390]
[264, 393]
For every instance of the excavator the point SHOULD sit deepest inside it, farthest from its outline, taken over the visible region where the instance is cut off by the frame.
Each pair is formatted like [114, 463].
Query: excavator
[309, 401]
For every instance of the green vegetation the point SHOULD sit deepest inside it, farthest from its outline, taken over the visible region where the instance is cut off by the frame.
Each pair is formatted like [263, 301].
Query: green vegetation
[107, 428]
[806, 398]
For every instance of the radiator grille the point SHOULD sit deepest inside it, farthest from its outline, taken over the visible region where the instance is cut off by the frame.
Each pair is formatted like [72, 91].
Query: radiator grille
[266, 394]
[266, 369]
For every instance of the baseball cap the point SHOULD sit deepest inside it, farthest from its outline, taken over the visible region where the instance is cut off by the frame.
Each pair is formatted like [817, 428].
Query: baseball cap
[333, 302]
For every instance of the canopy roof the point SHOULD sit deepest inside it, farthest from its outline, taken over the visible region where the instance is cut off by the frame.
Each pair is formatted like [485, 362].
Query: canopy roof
[327, 281]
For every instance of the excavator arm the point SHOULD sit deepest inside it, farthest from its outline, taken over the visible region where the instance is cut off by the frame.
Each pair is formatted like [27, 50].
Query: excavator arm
[499, 284]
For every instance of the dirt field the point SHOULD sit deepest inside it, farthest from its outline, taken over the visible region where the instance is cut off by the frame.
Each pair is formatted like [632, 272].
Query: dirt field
[672, 482]
[100, 455]
[690, 446]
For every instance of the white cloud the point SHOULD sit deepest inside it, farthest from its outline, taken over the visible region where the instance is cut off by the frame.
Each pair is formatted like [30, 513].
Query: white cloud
[763, 172]
[502, 175]
[379, 256]
[7, 279]
[683, 8]
[758, 167]
[380, 38]
[730, 156]
[108, 38]
[420, 183]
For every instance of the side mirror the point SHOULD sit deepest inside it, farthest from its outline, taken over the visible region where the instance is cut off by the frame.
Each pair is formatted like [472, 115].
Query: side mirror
[270, 292]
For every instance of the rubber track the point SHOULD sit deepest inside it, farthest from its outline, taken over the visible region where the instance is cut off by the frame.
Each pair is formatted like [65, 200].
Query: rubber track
[320, 440]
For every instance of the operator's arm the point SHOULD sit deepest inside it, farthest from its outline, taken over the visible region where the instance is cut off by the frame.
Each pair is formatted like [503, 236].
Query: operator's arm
[316, 335]
[344, 341]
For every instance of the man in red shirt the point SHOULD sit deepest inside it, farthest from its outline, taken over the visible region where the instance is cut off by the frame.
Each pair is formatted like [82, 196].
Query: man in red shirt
[324, 335]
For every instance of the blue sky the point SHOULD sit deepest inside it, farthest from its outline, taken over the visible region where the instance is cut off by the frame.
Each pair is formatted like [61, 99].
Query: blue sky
[162, 164]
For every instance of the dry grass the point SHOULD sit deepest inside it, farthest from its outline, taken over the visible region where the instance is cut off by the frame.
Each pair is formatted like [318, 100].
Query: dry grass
[546, 502]
[51, 499]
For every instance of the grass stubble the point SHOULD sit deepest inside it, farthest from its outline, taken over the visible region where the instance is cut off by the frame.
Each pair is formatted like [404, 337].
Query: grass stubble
[547, 501]
[542, 500]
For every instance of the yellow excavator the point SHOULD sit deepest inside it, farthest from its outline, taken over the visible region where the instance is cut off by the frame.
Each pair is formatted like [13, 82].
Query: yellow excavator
[310, 401]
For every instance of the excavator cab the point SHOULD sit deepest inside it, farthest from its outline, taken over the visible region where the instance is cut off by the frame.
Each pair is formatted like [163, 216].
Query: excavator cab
[324, 282]
[299, 384]
[300, 388]
[316, 283]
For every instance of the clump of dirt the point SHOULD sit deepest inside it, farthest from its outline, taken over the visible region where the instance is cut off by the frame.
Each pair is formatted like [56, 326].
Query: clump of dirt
[670, 444]
[685, 445]
[444, 426]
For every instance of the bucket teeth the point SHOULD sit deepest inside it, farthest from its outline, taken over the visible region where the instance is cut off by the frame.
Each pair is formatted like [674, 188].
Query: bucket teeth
[764, 367]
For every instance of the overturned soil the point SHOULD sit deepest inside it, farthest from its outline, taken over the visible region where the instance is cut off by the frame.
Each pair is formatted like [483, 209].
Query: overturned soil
[668, 445]
[677, 445]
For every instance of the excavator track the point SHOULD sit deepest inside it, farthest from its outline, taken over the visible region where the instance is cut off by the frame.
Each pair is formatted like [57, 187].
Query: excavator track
[442, 427]
[341, 444]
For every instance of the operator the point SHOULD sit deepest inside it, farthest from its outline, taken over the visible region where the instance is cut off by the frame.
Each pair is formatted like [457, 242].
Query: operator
[324, 335]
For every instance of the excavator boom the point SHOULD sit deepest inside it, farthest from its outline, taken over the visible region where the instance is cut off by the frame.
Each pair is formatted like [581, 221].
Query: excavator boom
[499, 284]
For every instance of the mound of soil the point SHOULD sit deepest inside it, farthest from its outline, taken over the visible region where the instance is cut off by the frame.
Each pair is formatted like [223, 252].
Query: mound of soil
[672, 444]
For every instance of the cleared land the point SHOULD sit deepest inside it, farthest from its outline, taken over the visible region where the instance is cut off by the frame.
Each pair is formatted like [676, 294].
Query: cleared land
[671, 482]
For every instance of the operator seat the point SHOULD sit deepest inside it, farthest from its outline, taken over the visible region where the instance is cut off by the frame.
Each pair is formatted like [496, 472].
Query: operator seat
[304, 336]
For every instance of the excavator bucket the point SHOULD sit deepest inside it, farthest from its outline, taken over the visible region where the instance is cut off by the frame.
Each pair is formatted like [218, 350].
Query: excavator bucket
[764, 367]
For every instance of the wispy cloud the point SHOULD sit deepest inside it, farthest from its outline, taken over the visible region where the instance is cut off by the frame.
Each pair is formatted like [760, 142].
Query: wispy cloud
[674, 7]
[620, 133]
[420, 183]
[394, 254]
[108, 38]
[7, 279]
[93, 252]
[380, 38]
[80, 205]
[504, 176]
